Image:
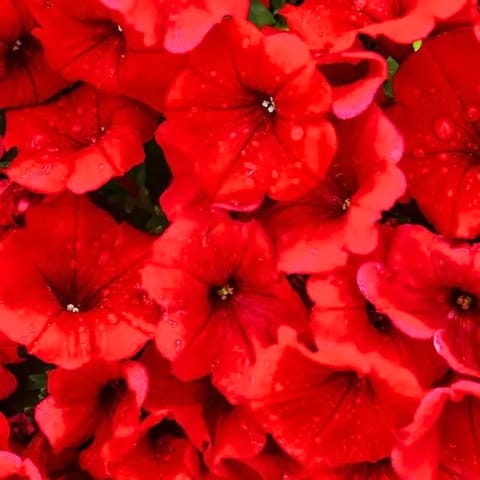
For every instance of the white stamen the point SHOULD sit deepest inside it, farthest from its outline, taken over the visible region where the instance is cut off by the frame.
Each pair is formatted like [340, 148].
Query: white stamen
[72, 308]
[269, 104]
[16, 46]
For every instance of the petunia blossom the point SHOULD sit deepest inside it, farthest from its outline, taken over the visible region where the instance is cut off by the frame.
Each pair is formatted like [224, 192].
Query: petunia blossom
[222, 296]
[333, 410]
[179, 24]
[91, 42]
[333, 25]
[437, 110]
[250, 114]
[319, 230]
[100, 136]
[429, 288]
[441, 443]
[71, 289]
[25, 76]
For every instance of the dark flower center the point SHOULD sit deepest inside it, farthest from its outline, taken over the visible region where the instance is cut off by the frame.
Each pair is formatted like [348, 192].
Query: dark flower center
[346, 204]
[462, 300]
[111, 393]
[19, 51]
[379, 321]
[225, 292]
[222, 293]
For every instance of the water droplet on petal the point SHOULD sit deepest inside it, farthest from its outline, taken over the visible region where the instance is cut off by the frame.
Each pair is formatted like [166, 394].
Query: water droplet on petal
[473, 113]
[444, 128]
[297, 133]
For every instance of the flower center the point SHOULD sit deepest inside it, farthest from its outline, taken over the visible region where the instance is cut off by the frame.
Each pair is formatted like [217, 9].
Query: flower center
[346, 204]
[72, 308]
[111, 393]
[16, 46]
[269, 105]
[379, 321]
[462, 300]
[225, 291]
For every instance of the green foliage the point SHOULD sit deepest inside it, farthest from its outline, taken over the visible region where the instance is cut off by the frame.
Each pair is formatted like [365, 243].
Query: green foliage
[8, 157]
[392, 66]
[134, 197]
[260, 15]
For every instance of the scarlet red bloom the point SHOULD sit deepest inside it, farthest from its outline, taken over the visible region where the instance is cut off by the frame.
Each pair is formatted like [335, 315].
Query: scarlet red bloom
[429, 289]
[71, 289]
[441, 443]
[437, 108]
[91, 42]
[318, 231]
[218, 283]
[100, 136]
[332, 411]
[25, 77]
[106, 401]
[334, 25]
[180, 25]
[250, 131]
[343, 321]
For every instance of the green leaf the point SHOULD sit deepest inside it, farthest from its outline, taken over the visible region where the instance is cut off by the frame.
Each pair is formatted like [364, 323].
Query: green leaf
[417, 45]
[8, 157]
[281, 22]
[392, 66]
[277, 4]
[260, 15]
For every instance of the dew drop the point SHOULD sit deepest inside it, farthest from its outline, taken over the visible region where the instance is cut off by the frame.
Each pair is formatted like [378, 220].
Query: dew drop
[297, 133]
[444, 128]
[473, 113]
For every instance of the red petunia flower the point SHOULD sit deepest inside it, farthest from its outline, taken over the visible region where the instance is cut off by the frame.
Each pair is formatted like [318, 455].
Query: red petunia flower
[333, 25]
[105, 402]
[71, 288]
[100, 136]
[327, 411]
[249, 131]
[158, 447]
[179, 24]
[430, 289]
[25, 77]
[338, 217]
[437, 109]
[441, 443]
[218, 283]
[342, 320]
[222, 432]
[107, 396]
[90, 42]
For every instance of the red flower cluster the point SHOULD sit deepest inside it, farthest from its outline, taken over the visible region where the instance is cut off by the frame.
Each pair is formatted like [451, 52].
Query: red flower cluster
[239, 240]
